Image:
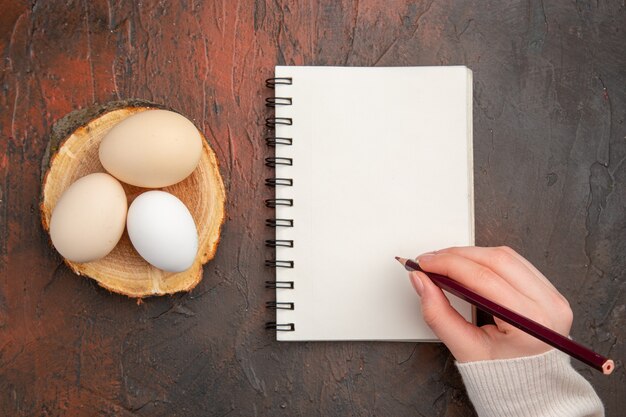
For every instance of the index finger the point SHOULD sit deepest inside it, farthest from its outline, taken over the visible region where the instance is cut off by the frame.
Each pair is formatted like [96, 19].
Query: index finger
[476, 277]
[503, 262]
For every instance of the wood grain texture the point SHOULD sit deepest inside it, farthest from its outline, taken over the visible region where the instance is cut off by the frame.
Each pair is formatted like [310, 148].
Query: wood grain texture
[123, 270]
[549, 139]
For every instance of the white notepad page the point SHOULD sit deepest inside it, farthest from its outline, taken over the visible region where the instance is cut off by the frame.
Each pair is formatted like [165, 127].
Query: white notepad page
[382, 167]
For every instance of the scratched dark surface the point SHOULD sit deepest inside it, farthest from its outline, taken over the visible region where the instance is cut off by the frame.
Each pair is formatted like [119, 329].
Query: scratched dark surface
[549, 140]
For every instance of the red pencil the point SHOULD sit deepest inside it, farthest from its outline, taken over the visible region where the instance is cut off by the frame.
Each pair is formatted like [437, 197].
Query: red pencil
[525, 324]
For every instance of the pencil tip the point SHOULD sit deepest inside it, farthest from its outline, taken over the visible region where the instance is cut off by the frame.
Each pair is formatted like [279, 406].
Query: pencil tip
[401, 260]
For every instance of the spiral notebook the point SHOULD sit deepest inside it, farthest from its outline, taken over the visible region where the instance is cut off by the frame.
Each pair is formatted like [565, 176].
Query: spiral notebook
[369, 163]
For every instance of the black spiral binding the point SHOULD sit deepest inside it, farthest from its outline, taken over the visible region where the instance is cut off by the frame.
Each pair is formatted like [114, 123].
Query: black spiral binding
[273, 202]
[278, 101]
[276, 263]
[287, 285]
[272, 162]
[271, 82]
[279, 222]
[273, 182]
[272, 243]
[273, 141]
[271, 122]
[287, 327]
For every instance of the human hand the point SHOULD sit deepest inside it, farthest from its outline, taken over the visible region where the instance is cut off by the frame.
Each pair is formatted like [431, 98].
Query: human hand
[503, 276]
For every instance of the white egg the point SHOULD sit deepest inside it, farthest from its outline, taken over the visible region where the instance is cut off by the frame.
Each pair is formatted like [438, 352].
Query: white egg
[162, 230]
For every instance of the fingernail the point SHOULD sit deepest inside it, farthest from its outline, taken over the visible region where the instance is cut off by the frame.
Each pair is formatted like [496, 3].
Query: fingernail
[417, 283]
[425, 256]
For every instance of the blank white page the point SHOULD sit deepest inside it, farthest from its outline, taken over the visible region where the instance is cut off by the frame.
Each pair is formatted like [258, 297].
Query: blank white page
[382, 167]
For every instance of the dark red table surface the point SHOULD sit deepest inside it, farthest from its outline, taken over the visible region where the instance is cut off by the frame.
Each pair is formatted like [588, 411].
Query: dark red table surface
[549, 154]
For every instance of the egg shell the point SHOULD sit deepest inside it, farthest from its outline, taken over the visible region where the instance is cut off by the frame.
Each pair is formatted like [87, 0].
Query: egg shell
[162, 231]
[89, 218]
[151, 149]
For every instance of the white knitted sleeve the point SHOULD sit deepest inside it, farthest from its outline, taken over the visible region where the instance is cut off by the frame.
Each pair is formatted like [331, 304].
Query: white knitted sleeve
[544, 385]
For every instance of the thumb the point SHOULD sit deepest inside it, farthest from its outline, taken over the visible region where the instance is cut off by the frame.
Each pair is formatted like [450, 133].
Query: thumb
[462, 338]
